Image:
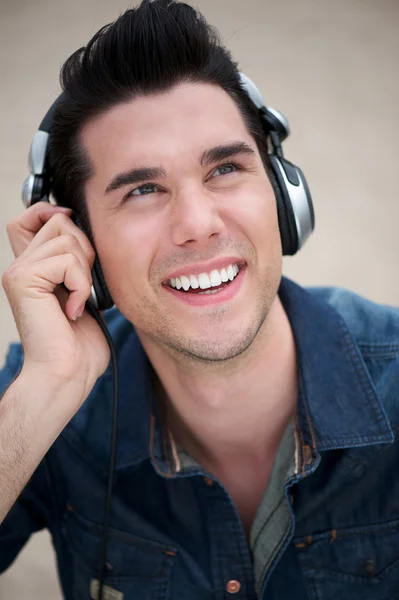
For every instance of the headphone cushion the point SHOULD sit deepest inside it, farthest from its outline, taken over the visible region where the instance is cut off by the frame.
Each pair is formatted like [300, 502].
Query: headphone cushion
[104, 298]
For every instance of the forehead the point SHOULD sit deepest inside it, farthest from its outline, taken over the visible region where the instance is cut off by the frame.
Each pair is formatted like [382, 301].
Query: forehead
[179, 123]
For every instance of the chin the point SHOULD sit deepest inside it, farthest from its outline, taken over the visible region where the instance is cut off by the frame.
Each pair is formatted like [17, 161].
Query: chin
[217, 346]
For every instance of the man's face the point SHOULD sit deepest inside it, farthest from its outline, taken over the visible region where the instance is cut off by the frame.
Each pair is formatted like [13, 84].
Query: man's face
[205, 212]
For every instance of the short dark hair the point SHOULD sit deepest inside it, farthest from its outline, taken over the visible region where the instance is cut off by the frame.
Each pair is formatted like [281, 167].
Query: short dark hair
[148, 49]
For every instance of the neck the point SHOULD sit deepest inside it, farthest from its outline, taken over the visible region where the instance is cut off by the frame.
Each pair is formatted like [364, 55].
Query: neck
[236, 411]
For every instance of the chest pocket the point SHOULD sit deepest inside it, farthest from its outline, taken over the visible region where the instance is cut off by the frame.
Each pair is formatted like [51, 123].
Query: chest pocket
[352, 564]
[137, 568]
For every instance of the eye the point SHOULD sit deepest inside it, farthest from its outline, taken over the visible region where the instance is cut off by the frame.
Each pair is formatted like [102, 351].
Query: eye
[143, 190]
[226, 169]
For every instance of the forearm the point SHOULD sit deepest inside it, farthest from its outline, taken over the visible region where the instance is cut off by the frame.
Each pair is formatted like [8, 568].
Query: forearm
[32, 415]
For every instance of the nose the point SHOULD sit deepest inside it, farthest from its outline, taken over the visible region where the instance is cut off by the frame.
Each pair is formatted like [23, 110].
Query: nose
[195, 217]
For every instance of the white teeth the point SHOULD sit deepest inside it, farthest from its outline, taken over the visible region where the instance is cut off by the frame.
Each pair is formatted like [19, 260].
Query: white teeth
[194, 282]
[230, 272]
[223, 275]
[215, 278]
[204, 281]
[185, 282]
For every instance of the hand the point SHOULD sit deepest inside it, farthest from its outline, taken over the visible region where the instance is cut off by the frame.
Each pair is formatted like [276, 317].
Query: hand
[50, 250]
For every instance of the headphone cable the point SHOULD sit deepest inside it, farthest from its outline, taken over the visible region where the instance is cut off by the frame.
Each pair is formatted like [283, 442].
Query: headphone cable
[104, 537]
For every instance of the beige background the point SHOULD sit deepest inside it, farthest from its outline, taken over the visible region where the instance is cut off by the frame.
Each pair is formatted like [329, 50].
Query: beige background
[331, 67]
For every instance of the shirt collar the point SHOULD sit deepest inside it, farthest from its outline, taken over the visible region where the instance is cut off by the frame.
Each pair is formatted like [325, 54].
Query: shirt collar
[338, 406]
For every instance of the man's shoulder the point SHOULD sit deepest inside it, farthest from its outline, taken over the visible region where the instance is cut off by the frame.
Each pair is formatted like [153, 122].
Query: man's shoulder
[375, 329]
[374, 326]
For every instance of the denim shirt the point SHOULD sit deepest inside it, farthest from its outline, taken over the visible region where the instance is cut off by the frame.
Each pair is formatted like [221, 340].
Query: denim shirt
[175, 533]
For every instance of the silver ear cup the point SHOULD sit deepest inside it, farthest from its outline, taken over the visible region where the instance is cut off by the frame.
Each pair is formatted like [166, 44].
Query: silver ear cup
[27, 190]
[300, 204]
[32, 187]
[296, 213]
[37, 152]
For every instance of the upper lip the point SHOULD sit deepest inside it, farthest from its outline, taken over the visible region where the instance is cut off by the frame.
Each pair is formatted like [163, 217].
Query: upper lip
[205, 267]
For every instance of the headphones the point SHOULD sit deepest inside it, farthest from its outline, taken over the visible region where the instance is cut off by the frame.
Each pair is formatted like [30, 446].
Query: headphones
[294, 203]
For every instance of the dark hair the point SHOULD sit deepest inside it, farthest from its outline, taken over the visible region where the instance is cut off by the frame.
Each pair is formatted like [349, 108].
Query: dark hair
[148, 49]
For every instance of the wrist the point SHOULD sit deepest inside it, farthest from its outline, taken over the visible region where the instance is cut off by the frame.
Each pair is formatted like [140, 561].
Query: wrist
[48, 393]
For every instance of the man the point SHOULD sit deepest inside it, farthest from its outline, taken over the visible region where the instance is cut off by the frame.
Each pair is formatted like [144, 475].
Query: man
[256, 452]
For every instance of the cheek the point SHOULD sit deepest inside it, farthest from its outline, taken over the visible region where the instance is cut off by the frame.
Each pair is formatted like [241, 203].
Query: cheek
[127, 250]
[254, 212]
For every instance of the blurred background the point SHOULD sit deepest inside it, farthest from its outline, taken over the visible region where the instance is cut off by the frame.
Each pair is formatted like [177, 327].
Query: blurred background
[330, 67]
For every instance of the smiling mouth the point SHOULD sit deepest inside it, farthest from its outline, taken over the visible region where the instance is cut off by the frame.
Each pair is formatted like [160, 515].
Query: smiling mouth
[206, 283]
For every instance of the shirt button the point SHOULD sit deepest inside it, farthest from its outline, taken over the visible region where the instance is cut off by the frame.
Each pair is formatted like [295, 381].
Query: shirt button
[370, 567]
[208, 481]
[233, 586]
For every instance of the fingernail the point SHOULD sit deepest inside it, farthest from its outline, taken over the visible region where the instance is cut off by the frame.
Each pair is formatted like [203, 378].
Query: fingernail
[78, 313]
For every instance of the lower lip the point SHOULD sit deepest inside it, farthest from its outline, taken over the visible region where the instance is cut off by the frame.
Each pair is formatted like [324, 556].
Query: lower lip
[227, 293]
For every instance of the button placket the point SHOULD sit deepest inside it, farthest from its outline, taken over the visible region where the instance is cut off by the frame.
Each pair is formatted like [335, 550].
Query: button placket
[228, 549]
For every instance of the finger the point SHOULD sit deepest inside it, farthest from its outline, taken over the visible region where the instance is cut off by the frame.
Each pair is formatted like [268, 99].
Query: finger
[63, 244]
[24, 227]
[66, 269]
[60, 224]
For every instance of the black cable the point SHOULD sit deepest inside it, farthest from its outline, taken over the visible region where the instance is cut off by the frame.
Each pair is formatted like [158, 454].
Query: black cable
[104, 538]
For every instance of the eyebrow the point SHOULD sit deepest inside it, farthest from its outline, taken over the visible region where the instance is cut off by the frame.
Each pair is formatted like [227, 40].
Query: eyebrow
[224, 151]
[135, 176]
[208, 157]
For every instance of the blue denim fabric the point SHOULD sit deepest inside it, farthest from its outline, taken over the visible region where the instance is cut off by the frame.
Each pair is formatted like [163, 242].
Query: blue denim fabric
[173, 536]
